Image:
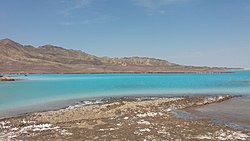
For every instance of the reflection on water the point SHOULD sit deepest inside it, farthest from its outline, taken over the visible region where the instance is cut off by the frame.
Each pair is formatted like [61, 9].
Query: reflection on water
[234, 112]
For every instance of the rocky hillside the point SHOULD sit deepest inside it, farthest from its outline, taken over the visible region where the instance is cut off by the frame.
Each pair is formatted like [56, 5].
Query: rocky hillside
[17, 58]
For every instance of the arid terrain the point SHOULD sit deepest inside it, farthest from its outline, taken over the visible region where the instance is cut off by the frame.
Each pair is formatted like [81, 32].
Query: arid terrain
[121, 119]
[17, 58]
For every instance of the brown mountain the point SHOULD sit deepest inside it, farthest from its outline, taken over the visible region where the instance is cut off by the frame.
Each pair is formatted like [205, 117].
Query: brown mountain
[17, 58]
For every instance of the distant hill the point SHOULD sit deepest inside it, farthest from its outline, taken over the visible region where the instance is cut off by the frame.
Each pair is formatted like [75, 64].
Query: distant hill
[17, 58]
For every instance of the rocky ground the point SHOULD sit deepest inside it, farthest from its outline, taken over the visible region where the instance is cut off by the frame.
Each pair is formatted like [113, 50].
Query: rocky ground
[121, 119]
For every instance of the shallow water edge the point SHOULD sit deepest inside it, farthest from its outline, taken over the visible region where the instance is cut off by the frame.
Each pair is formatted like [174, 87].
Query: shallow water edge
[71, 103]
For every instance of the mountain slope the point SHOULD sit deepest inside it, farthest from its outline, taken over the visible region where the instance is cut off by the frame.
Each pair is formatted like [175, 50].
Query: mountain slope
[17, 58]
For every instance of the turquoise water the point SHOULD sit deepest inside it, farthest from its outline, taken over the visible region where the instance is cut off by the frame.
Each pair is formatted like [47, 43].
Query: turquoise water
[43, 88]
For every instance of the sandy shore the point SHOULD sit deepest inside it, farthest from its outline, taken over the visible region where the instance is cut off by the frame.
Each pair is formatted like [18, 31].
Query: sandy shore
[121, 119]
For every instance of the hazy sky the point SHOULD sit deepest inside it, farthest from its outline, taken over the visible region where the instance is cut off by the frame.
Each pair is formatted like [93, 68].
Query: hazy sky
[190, 32]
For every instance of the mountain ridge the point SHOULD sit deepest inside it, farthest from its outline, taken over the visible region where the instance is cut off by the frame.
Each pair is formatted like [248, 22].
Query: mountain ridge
[18, 58]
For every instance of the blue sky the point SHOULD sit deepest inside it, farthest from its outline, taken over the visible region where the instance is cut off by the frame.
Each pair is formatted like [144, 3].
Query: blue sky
[190, 32]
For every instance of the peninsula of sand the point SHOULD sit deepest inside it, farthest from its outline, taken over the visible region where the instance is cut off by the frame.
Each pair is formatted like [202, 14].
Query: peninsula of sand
[122, 119]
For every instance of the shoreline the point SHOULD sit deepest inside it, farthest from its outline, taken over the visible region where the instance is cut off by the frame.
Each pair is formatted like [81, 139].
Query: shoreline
[144, 118]
[78, 102]
[227, 70]
[195, 72]
[101, 100]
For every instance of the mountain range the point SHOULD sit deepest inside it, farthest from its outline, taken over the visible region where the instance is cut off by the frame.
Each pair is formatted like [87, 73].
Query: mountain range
[18, 58]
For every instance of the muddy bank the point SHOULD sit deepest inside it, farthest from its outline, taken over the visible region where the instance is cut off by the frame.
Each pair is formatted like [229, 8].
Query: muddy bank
[234, 112]
[121, 119]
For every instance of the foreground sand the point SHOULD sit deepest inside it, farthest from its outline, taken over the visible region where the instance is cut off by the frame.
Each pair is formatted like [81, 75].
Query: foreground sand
[121, 119]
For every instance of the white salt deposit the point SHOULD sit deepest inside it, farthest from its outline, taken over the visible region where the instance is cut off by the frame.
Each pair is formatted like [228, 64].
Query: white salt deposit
[148, 114]
[144, 130]
[4, 125]
[65, 132]
[125, 117]
[224, 136]
[14, 129]
[15, 132]
[108, 129]
[144, 122]
[44, 127]
[84, 104]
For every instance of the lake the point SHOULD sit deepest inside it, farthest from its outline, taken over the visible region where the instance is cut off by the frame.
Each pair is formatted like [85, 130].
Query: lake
[37, 92]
